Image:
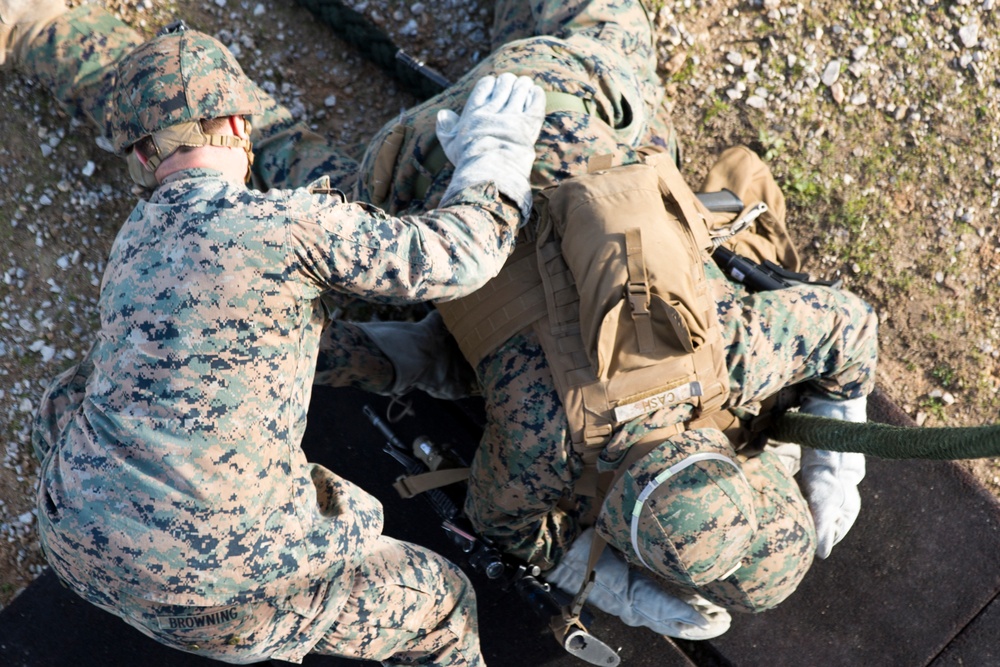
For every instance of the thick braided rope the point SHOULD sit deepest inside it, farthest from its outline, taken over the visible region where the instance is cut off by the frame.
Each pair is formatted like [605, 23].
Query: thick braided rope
[885, 441]
[372, 42]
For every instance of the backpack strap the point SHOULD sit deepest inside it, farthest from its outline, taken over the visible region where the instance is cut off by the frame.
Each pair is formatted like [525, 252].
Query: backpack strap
[637, 290]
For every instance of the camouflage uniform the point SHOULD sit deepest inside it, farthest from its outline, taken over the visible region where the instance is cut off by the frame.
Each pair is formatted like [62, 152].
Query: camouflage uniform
[523, 475]
[193, 401]
[596, 50]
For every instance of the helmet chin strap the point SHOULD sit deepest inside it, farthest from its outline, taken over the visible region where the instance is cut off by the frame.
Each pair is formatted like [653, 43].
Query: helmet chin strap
[168, 140]
[141, 174]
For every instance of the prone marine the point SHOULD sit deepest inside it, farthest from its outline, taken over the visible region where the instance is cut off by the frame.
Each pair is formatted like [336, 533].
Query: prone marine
[626, 378]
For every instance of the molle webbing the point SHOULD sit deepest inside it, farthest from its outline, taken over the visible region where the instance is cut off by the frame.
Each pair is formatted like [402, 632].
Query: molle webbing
[493, 314]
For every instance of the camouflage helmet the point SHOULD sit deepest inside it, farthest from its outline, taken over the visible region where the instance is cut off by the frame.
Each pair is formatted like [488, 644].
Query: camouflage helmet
[783, 549]
[738, 532]
[178, 77]
[685, 510]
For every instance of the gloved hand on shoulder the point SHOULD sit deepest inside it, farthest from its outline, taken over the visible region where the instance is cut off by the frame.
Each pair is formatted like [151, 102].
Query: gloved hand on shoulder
[494, 137]
[830, 479]
[635, 598]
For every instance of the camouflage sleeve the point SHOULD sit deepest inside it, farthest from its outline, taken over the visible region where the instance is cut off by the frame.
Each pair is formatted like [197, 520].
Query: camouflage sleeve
[525, 464]
[349, 358]
[442, 254]
[59, 403]
[76, 61]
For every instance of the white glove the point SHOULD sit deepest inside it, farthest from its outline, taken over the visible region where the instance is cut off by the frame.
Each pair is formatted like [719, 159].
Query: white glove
[494, 138]
[635, 598]
[789, 453]
[830, 479]
[423, 356]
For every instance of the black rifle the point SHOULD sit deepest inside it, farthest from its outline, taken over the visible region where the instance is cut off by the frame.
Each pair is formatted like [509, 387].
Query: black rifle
[484, 557]
[757, 277]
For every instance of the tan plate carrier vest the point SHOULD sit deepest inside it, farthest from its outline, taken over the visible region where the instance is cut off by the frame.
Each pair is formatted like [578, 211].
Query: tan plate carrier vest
[614, 287]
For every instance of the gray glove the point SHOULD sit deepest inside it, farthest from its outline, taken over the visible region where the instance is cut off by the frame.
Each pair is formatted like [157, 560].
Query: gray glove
[494, 138]
[424, 356]
[830, 479]
[635, 598]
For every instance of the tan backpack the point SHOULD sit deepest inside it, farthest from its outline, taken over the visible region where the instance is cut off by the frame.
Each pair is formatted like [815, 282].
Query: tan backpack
[613, 285]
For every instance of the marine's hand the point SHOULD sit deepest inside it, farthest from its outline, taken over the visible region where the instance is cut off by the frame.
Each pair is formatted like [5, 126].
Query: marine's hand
[494, 137]
[635, 598]
[503, 109]
[424, 356]
[830, 483]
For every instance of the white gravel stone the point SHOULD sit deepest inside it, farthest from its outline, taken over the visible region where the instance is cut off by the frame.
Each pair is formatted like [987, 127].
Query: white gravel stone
[831, 73]
[969, 35]
[837, 91]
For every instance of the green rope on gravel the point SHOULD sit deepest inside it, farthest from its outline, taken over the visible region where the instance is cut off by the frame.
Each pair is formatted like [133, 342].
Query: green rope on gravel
[373, 43]
[885, 441]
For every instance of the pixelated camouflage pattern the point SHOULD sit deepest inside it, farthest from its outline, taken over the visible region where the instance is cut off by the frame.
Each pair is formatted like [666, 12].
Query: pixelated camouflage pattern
[410, 604]
[349, 358]
[406, 605]
[524, 464]
[822, 336]
[20, 23]
[196, 394]
[523, 473]
[177, 78]
[219, 319]
[597, 50]
[698, 523]
[75, 61]
[783, 548]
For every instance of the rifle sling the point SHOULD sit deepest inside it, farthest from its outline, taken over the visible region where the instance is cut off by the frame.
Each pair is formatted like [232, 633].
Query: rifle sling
[408, 486]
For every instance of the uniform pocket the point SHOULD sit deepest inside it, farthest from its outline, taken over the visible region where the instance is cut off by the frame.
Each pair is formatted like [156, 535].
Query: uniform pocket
[217, 630]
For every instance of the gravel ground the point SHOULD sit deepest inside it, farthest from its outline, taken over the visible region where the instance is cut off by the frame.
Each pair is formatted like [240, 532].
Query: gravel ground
[880, 121]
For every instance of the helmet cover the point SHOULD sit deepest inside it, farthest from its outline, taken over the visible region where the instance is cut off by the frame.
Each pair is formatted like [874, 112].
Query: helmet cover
[685, 510]
[175, 78]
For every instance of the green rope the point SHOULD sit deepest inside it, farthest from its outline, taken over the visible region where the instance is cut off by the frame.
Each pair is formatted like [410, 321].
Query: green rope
[373, 43]
[885, 441]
